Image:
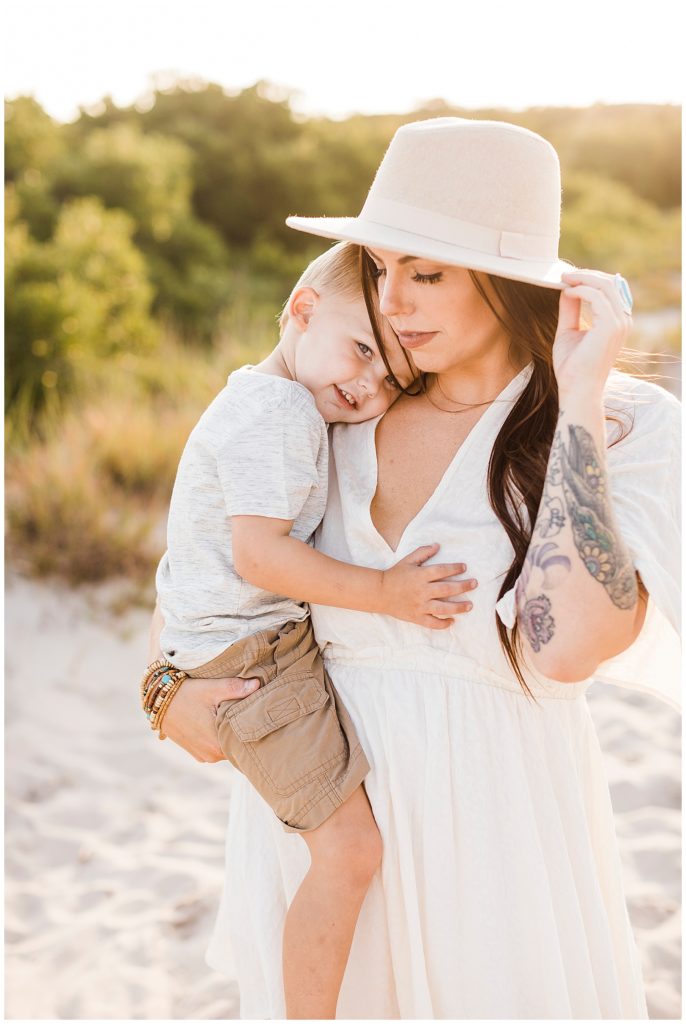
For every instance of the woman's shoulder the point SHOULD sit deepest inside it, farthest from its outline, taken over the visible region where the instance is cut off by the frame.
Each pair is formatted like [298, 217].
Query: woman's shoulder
[636, 407]
[638, 391]
[354, 440]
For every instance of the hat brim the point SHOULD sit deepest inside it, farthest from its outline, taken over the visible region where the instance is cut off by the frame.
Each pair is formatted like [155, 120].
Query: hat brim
[547, 273]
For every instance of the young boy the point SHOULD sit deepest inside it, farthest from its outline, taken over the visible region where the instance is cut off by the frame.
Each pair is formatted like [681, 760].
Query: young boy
[232, 586]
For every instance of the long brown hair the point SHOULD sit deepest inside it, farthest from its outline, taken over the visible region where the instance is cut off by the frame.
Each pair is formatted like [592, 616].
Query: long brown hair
[371, 301]
[519, 459]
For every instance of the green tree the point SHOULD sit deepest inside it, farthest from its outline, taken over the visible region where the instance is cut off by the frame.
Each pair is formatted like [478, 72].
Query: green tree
[33, 141]
[607, 226]
[150, 177]
[146, 175]
[242, 146]
[190, 273]
[34, 145]
[80, 298]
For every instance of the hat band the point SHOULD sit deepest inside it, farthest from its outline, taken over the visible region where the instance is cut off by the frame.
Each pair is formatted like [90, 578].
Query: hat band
[511, 244]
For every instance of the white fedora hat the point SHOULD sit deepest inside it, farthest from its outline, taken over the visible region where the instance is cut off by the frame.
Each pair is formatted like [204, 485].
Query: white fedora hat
[477, 194]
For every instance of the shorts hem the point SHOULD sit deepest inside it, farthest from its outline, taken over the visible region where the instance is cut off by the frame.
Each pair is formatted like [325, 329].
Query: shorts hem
[338, 791]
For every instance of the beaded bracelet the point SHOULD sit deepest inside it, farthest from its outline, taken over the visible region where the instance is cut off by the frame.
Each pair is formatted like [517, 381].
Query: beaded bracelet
[158, 695]
[159, 685]
[165, 705]
[162, 702]
[153, 697]
[153, 672]
[157, 689]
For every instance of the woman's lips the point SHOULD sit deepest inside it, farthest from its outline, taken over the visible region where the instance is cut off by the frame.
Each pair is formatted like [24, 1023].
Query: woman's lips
[415, 339]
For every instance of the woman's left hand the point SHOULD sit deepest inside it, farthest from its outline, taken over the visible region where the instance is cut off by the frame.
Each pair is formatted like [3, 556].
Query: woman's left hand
[583, 358]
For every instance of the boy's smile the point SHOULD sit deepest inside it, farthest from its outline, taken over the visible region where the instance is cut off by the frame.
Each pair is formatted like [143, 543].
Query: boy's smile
[346, 396]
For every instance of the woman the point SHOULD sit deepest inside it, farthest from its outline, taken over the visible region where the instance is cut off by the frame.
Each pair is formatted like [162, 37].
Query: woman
[500, 892]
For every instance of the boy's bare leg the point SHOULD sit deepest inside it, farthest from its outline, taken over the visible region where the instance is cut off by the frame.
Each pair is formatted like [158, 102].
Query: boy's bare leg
[345, 853]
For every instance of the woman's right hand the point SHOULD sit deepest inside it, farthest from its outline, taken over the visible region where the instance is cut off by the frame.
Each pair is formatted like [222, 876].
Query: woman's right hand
[424, 594]
[190, 718]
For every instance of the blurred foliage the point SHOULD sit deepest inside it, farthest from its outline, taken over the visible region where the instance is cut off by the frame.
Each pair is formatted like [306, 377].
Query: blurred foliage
[33, 141]
[147, 255]
[87, 499]
[71, 302]
[146, 175]
[65, 518]
[605, 225]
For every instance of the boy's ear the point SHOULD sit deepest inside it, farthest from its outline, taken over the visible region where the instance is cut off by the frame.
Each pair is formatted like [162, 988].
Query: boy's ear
[303, 303]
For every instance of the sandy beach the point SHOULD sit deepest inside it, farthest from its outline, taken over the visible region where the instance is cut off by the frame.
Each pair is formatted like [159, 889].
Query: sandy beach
[114, 841]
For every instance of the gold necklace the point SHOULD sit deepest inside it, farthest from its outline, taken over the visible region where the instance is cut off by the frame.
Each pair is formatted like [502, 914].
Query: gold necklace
[455, 412]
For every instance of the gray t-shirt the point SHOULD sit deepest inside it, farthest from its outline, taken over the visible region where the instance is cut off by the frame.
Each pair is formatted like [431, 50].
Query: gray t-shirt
[260, 449]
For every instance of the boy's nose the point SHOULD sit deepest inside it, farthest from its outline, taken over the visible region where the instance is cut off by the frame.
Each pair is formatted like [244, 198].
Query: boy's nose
[367, 385]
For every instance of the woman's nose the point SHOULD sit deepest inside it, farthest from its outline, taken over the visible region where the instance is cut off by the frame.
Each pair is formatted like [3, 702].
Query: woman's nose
[393, 298]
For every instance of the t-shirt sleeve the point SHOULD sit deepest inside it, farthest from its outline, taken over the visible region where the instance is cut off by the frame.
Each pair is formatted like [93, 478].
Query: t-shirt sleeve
[270, 466]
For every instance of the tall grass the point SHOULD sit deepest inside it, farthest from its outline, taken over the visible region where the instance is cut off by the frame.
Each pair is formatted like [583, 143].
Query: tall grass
[87, 497]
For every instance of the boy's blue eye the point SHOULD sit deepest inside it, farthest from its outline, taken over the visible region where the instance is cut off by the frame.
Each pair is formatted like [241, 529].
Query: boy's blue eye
[377, 272]
[392, 382]
[366, 350]
[427, 278]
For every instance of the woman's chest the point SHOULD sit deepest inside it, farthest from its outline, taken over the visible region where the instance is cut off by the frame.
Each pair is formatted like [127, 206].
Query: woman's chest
[414, 454]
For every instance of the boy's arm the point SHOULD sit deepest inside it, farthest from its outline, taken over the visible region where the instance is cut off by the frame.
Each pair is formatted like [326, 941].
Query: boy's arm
[267, 556]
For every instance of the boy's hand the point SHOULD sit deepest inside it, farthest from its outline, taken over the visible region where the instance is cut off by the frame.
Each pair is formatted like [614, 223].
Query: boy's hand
[189, 720]
[422, 594]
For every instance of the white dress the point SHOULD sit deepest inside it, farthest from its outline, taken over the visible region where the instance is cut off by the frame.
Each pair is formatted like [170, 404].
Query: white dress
[500, 892]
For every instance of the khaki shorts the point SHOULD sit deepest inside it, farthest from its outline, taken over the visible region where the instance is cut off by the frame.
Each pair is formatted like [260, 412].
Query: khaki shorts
[293, 739]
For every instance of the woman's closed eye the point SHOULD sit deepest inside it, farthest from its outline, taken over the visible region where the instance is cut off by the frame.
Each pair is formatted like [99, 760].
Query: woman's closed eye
[427, 278]
[378, 272]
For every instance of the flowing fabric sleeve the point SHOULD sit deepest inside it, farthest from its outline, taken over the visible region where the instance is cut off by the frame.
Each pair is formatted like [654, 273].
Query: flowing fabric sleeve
[644, 475]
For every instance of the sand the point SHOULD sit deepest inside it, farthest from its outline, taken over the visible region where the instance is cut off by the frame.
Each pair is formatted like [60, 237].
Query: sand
[114, 855]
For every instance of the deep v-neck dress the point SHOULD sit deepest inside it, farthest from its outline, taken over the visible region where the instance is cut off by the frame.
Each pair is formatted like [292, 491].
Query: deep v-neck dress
[500, 892]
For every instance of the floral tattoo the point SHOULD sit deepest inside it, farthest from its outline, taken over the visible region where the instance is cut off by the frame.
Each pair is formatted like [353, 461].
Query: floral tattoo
[533, 613]
[575, 491]
[593, 527]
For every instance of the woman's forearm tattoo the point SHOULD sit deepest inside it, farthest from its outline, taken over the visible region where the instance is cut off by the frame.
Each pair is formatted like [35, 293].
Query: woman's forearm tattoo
[595, 538]
[575, 490]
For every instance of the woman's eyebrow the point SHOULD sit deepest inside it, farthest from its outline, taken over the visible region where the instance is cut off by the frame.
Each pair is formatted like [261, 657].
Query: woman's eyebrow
[403, 259]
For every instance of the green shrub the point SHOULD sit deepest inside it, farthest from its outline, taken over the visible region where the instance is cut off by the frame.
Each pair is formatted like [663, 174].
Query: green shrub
[80, 298]
[607, 227]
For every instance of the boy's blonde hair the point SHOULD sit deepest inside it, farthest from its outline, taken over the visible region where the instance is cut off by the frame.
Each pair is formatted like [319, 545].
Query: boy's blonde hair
[336, 270]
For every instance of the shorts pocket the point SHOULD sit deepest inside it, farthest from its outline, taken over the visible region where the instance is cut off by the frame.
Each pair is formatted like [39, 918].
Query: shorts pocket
[286, 737]
[275, 705]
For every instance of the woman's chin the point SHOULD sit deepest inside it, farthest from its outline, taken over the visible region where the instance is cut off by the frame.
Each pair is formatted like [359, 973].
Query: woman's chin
[428, 362]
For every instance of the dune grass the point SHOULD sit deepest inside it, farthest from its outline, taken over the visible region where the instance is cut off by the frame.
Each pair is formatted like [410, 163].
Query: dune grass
[87, 497]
